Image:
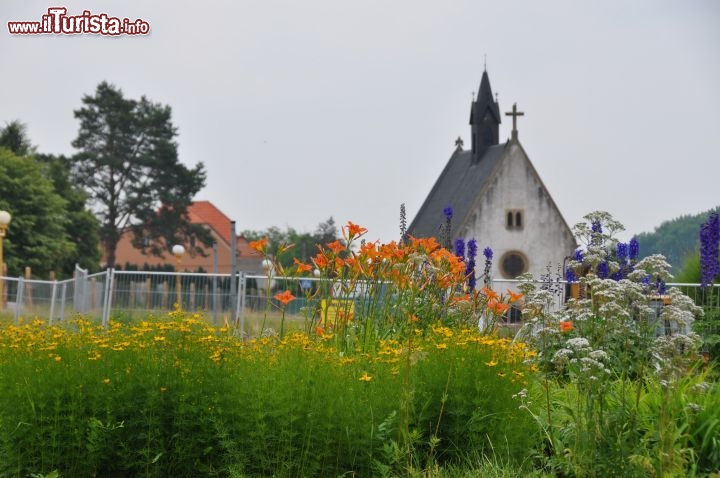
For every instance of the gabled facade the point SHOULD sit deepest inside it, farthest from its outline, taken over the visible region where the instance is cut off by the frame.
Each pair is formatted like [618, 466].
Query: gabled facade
[497, 198]
[219, 225]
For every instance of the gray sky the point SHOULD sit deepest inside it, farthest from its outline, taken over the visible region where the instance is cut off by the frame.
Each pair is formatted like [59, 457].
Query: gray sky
[305, 110]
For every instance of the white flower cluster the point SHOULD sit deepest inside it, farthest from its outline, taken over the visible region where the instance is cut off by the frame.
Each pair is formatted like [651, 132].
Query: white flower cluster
[562, 357]
[578, 343]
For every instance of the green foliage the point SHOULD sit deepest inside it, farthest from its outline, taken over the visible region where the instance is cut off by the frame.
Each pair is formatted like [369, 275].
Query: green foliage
[618, 366]
[14, 137]
[708, 326]
[82, 226]
[676, 239]
[174, 397]
[689, 271]
[128, 164]
[37, 236]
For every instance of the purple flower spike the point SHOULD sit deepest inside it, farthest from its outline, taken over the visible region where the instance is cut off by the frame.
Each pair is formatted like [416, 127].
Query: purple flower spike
[622, 253]
[488, 253]
[634, 249]
[460, 248]
[709, 244]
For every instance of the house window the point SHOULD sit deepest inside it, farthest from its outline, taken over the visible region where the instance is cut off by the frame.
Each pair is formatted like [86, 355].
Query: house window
[513, 264]
[514, 219]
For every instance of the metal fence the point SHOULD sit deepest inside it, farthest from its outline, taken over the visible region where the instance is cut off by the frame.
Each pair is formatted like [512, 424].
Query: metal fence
[224, 298]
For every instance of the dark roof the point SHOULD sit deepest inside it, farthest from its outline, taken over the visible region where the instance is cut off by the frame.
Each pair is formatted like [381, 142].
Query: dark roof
[458, 186]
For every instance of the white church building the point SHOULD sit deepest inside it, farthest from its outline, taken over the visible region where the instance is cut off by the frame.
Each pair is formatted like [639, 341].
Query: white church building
[497, 198]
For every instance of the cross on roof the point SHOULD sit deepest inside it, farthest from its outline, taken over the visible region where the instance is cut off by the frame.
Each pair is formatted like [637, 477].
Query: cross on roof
[515, 113]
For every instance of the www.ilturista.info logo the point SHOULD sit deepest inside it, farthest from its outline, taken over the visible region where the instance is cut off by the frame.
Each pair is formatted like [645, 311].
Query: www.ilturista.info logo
[58, 22]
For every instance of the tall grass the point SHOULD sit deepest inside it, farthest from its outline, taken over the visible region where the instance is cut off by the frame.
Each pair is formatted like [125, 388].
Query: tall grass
[172, 396]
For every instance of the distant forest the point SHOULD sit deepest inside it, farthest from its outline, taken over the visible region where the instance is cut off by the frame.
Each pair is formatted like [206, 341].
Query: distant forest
[677, 239]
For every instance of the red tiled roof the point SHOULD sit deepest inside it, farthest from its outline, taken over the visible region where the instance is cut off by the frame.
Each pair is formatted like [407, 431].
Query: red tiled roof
[205, 212]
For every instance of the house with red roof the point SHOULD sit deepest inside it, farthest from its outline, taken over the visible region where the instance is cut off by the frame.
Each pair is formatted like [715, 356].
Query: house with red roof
[219, 225]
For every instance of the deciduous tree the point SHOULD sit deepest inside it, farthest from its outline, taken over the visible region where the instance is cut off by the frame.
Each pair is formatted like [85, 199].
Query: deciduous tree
[37, 236]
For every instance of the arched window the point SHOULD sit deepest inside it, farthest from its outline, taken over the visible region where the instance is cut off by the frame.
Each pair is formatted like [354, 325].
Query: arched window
[514, 219]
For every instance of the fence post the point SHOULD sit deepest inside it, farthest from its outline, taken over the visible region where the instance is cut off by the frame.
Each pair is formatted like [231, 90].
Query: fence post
[3, 285]
[242, 285]
[233, 272]
[28, 276]
[107, 303]
[19, 299]
[131, 295]
[148, 293]
[165, 289]
[80, 299]
[53, 293]
[214, 283]
[63, 292]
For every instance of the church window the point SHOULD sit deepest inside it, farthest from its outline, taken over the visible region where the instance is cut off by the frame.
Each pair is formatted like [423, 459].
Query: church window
[513, 264]
[514, 219]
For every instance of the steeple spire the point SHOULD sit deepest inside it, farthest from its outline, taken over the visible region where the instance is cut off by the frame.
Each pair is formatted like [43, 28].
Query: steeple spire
[484, 119]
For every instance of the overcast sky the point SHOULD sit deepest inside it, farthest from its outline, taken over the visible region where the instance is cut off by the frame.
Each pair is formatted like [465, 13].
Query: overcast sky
[302, 110]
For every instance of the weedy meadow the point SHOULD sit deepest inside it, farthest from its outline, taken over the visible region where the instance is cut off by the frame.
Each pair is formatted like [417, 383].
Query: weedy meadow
[397, 364]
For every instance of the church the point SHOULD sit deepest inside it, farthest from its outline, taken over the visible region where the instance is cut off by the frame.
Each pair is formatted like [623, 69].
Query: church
[497, 198]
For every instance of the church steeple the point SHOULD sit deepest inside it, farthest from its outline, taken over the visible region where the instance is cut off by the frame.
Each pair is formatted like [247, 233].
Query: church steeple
[484, 119]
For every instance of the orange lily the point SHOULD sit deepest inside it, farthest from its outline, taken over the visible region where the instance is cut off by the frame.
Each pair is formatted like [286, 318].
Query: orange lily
[353, 230]
[566, 326]
[301, 267]
[260, 245]
[514, 296]
[320, 261]
[336, 246]
[285, 297]
[497, 307]
[490, 294]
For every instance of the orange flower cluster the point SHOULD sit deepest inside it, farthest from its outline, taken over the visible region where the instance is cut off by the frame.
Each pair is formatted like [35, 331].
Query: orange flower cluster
[353, 231]
[260, 245]
[285, 297]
